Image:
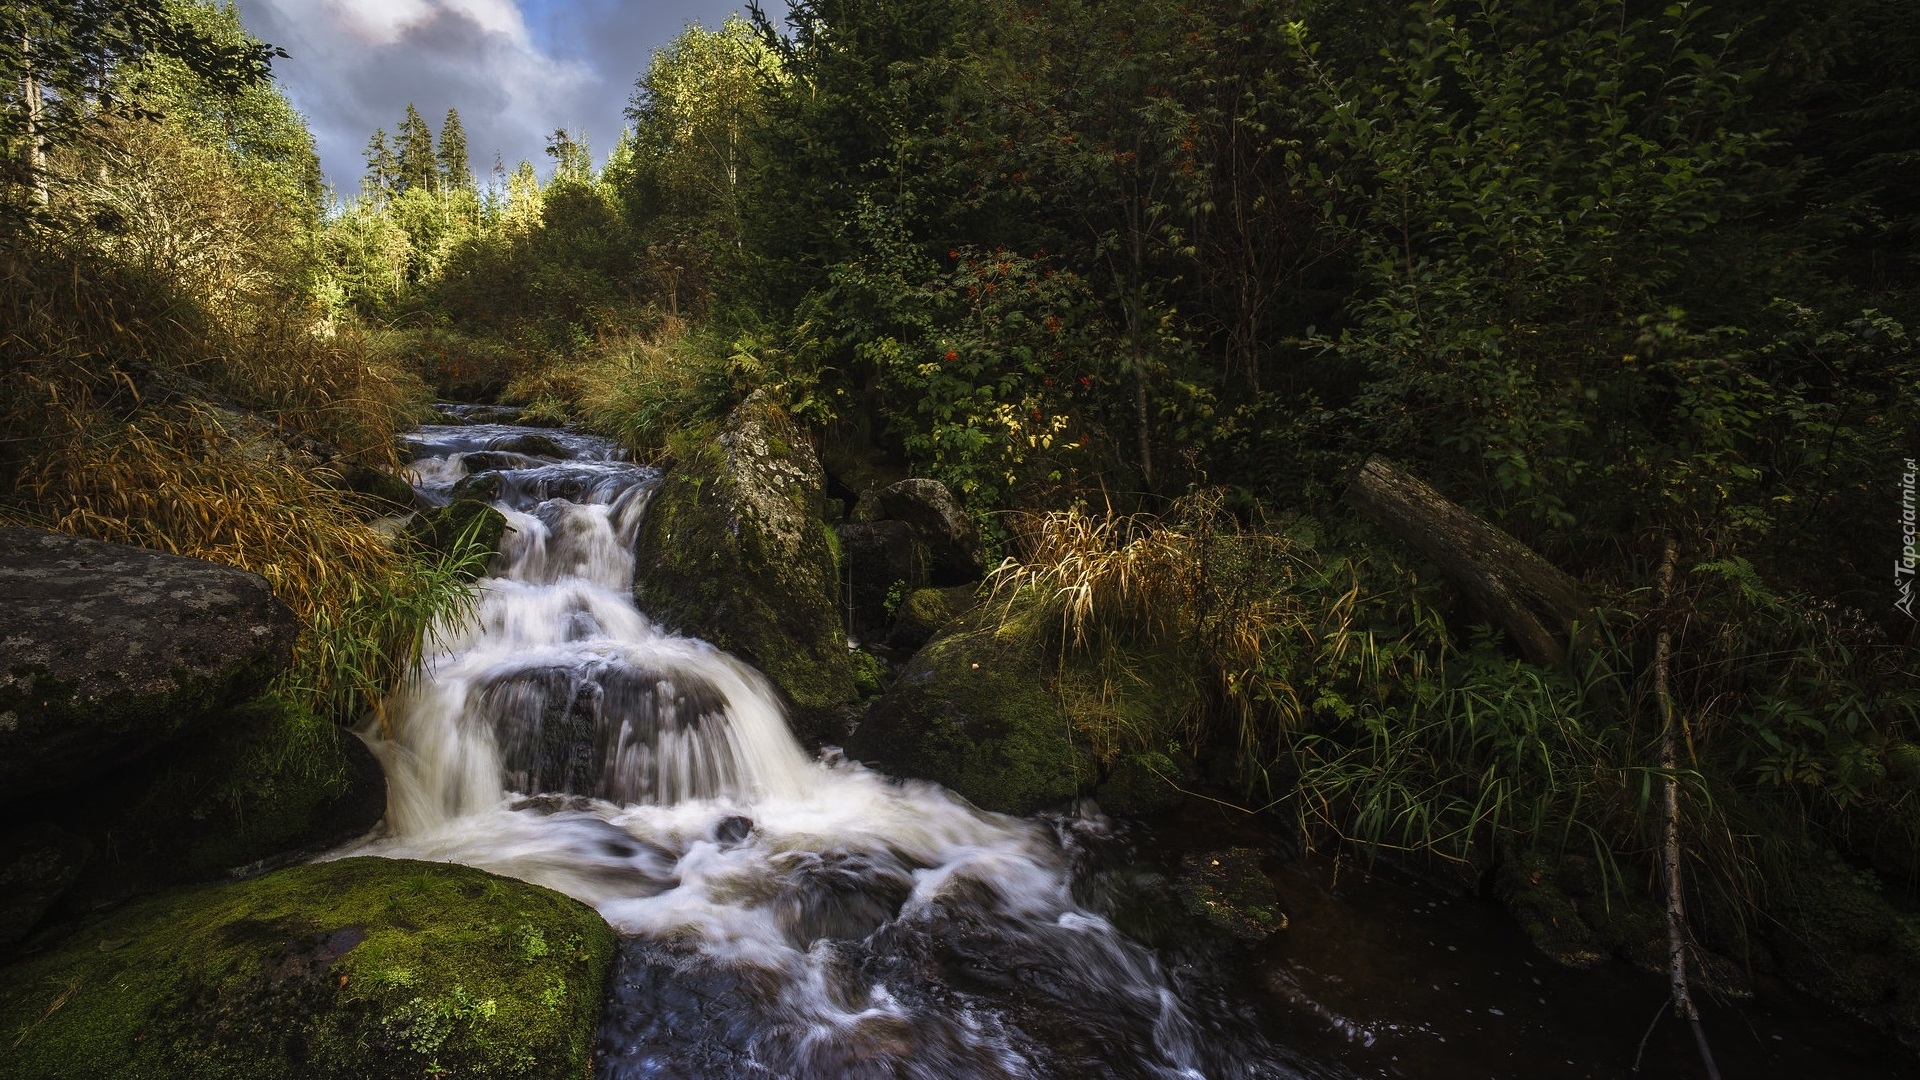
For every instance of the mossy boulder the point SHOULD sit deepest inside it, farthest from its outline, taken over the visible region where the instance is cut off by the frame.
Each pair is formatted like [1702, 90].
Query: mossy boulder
[267, 783]
[361, 969]
[441, 529]
[733, 550]
[380, 492]
[112, 651]
[988, 709]
[925, 611]
[1229, 891]
[974, 711]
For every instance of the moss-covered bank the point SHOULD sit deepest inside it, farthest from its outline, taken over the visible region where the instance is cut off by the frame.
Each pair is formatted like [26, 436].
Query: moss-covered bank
[362, 969]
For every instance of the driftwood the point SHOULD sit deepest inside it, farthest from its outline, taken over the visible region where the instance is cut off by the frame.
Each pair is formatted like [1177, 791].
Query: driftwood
[1531, 599]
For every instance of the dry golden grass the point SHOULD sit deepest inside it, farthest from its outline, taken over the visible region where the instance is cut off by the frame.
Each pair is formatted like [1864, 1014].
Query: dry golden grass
[160, 394]
[1244, 608]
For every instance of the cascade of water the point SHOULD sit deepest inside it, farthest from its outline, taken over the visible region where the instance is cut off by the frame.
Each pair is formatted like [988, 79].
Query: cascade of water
[784, 916]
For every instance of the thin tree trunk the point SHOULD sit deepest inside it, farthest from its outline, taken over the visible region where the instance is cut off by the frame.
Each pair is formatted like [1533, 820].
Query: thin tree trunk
[1670, 866]
[36, 154]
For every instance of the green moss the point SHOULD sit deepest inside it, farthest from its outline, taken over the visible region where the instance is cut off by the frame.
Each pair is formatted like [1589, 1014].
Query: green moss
[727, 554]
[364, 968]
[973, 711]
[1229, 891]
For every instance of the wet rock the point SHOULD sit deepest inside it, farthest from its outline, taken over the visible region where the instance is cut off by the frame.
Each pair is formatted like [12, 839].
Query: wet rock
[972, 711]
[370, 969]
[1230, 891]
[482, 487]
[38, 864]
[111, 651]
[532, 445]
[442, 528]
[733, 550]
[733, 829]
[880, 562]
[954, 551]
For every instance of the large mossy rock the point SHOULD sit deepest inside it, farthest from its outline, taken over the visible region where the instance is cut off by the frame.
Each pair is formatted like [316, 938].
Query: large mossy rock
[362, 969]
[985, 708]
[733, 550]
[973, 711]
[110, 651]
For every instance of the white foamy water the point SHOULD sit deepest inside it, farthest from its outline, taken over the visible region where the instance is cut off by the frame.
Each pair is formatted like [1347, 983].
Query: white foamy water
[784, 915]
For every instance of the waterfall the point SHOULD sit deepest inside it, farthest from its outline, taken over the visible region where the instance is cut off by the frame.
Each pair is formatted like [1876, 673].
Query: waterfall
[782, 915]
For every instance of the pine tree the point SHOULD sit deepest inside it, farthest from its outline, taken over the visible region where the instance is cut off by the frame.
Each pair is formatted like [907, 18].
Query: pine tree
[454, 169]
[415, 152]
[380, 174]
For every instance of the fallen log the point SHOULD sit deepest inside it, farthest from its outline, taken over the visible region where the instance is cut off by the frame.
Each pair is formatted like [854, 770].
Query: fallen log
[1534, 601]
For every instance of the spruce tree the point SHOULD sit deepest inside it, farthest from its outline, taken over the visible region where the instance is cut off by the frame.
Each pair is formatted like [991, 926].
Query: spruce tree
[380, 166]
[415, 152]
[454, 170]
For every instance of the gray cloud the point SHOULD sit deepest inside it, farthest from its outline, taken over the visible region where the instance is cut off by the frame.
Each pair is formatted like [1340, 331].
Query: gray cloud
[516, 69]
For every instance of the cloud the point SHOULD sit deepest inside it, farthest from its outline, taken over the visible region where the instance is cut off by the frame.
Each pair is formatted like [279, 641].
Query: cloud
[515, 70]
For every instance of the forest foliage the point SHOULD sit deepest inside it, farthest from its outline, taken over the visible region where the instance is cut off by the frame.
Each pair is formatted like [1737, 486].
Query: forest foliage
[1144, 284]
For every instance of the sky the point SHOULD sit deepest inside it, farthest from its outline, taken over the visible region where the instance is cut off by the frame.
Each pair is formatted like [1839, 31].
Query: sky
[516, 69]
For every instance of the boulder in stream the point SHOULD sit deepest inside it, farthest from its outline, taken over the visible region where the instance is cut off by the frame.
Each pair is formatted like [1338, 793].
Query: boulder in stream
[733, 550]
[111, 651]
[361, 969]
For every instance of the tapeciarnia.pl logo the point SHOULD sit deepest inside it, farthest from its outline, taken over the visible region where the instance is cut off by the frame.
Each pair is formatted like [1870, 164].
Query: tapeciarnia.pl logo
[1904, 566]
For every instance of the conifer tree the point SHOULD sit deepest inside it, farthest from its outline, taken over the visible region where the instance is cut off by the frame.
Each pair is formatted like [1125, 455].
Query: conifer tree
[414, 150]
[380, 174]
[454, 169]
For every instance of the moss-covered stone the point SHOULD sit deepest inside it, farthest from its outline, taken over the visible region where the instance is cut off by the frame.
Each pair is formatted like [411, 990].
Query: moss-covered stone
[381, 492]
[369, 969]
[733, 550]
[1140, 783]
[973, 711]
[441, 528]
[1228, 890]
[924, 611]
[1551, 919]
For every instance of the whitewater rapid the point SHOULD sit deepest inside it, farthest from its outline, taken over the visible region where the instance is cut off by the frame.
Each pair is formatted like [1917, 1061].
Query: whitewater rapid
[783, 914]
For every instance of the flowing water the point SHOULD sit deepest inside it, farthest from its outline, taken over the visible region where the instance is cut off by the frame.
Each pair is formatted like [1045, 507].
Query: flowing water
[782, 915]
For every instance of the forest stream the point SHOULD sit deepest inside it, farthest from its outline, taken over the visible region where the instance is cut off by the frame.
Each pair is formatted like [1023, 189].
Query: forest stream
[785, 915]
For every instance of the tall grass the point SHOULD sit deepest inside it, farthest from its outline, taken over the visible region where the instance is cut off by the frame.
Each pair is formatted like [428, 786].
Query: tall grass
[639, 387]
[166, 383]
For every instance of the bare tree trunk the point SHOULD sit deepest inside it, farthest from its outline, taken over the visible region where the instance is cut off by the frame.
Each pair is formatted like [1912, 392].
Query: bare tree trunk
[36, 153]
[1670, 865]
[1531, 599]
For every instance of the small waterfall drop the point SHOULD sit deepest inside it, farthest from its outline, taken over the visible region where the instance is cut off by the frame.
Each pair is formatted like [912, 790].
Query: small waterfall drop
[782, 916]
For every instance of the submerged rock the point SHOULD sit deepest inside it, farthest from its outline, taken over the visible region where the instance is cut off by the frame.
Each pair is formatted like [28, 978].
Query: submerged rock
[733, 550]
[362, 969]
[531, 445]
[110, 651]
[1229, 891]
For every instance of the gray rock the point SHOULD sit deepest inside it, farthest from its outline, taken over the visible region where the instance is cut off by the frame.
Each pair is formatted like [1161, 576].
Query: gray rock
[955, 553]
[108, 651]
